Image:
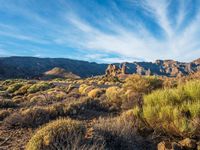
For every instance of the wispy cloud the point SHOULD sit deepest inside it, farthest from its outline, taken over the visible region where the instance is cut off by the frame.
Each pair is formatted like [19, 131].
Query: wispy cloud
[104, 31]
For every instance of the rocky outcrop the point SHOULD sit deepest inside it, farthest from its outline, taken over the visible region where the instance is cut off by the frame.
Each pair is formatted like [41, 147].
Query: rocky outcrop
[114, 70]
[169, 68]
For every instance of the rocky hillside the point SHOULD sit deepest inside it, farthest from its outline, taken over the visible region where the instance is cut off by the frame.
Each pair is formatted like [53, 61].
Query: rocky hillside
[31, 67]
[168, 68]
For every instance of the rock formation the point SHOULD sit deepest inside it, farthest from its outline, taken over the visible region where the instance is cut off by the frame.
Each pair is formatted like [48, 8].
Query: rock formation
[168, 68]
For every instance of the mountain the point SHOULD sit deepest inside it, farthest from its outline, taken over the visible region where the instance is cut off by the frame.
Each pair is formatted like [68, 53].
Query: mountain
[32, 67]
[59, 73]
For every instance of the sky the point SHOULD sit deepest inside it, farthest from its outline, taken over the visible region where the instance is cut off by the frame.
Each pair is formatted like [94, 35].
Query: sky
[103, 31]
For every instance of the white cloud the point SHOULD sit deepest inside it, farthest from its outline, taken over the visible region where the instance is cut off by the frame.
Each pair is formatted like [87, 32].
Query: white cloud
[129, 43]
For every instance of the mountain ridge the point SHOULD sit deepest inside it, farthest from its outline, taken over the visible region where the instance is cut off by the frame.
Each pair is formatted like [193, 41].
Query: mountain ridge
[33, 67]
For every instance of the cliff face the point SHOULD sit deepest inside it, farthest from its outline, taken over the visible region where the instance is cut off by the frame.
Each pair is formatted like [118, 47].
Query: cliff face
[169, 68]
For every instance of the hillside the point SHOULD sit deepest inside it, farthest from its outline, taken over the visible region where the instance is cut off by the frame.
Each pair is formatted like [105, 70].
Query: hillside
[32, 67]
[59, 73]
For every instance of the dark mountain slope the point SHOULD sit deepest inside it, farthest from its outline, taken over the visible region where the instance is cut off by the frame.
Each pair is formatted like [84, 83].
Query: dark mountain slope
[31, 67]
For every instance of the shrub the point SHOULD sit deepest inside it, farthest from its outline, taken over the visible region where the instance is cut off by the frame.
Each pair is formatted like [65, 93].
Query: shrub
[38, 98]
[14, 87]
[29, 118]
[4, 113]
[139, 84]
[6, 103]
[23, 90]
[18, 99]
[40, 87]
[176, 111]
[59, 134]
[119, 132]
[113, 94]
[85, 89]
[95, 93]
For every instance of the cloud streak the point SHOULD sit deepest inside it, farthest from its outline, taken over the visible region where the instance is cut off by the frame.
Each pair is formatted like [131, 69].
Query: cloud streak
[106, 32]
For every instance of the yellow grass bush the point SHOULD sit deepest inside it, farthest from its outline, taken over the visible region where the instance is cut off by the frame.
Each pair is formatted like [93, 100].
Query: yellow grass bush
[114, 95]
[140, 84]
[59, 134]
[95, 93]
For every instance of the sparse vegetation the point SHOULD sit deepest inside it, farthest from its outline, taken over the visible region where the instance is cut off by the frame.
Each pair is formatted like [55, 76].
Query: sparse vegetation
[101, 112]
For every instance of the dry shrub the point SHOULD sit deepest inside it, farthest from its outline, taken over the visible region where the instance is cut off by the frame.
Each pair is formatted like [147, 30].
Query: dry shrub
[120, 132]
[85, 89]
[59, 134]
[28, 118]
[7, 103]
[23, 90]
[113, 94]
[18, 99]
[36, 116]
[38, 98]
[4, 113]
[95, 93]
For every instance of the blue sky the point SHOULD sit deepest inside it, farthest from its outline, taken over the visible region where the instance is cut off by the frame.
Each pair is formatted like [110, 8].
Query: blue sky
[101, 30]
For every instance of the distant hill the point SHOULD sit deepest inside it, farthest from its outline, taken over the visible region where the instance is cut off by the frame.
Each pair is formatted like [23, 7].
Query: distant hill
[32, 67]
[59, 73]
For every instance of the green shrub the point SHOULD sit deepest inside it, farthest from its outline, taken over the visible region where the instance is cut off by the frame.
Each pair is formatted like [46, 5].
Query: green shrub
[40, 87]
[176, 111]
[23, 90]
[14, 87]
[139, 84]
[59, 134]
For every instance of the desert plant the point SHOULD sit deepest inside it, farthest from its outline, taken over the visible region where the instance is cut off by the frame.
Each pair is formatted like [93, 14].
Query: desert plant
[95, 93]
[14, 87]
[139, 84]
[176, 111]
[23, 90]
[59, 134]
[4, 113]
[114, 95]
[7, 103]
[40, 87]
[119, 132]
